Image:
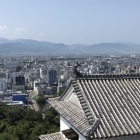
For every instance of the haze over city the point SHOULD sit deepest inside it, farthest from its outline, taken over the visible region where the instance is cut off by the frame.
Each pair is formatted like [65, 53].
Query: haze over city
[71, 21]
[69, 70]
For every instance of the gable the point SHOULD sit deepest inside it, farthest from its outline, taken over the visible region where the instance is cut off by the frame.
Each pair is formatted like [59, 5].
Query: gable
[71, 96]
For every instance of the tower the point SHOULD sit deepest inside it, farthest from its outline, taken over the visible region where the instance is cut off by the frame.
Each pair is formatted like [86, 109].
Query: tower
[51, 76]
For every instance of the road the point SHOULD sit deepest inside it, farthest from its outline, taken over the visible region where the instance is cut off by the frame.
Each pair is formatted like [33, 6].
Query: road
[32, 97]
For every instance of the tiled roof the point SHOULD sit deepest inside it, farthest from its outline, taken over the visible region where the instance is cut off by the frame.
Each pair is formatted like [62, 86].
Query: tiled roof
[83, 103]
[73, 115]
[110, 103]
[53, 136]
[115, 102]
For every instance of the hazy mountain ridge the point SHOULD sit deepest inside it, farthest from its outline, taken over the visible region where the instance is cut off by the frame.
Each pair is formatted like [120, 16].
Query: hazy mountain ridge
[4, 40]
[29, 46]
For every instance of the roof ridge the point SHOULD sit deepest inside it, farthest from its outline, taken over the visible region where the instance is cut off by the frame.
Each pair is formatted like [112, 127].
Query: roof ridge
[66, 90]
[110, 76]
[83, 103]
[93, 120]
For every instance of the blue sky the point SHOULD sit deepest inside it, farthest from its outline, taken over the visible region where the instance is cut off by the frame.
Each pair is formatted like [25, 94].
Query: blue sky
[71, 21]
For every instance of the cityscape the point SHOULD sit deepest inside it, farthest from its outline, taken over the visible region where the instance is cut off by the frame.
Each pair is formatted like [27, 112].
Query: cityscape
[69, 70]
[25, 79]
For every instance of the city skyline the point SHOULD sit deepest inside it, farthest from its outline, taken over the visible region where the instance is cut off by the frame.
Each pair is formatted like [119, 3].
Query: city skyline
[71, 22]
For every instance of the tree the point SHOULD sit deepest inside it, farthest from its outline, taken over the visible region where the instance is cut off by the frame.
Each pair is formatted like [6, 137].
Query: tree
[7, 136]
[52, 117]
[2, 116]
[15, 114]
[26, 124]
[41, 101]
[31, 115]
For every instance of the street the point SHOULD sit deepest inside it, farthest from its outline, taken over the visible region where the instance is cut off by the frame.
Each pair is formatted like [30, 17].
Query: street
[32, 97]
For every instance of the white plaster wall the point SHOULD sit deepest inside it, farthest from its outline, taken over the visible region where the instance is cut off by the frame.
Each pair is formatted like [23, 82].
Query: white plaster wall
[65, 125]
[74, 99]
[68, 93]
[81, 137]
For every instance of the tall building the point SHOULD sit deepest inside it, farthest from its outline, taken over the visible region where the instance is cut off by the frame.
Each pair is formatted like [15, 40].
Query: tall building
[19, 83]
[3, 84]
[18, 68]
[20, 80]
[2, 74]
[38, 73]
[51, 76]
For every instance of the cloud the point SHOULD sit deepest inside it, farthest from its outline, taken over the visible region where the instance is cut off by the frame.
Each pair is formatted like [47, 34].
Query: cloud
[41, 35]
[19, 30]
[3, 29]
[12, 33]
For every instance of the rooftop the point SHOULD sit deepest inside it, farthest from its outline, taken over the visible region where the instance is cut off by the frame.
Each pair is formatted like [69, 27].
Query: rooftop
[112, 99]
[73, 115]
[109, 105]
[53, 136]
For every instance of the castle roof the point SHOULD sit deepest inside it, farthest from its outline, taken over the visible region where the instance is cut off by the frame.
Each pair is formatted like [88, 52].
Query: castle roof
[110, 105]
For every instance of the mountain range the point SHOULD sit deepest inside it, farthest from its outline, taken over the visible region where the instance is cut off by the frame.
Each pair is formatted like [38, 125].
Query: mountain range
[34, 47]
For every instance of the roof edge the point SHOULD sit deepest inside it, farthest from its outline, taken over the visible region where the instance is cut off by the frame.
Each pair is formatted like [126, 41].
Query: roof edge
[110, 76]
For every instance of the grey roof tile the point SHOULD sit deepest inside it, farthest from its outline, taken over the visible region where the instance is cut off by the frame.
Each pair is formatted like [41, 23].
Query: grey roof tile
[116, 102]
[53, 136]
[73, 115]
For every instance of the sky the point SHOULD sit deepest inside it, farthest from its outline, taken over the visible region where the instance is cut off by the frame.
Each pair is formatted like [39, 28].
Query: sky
[71, 21]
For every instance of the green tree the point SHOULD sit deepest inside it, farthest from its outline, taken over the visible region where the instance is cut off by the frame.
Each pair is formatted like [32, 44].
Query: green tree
[15, 114]
[52, 117]
[7, 136]
[26, 124]
[32, 115]
[2, 116]
[41, 101]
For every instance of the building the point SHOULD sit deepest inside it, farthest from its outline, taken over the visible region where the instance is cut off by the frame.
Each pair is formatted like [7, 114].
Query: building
[2, 74]
[51, 76]
[20, 97]
[44, 90]
[62, 85]
[1, 96]
[3, 84]
[16, 103]
[99, 107]
[20, 80]
[18, 68]
[13, 103]
[19, 83]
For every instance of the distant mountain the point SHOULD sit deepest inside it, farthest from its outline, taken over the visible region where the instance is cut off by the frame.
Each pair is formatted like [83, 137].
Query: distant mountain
[107, 48]
[34, 47]
[4, 40]
[115, 48]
